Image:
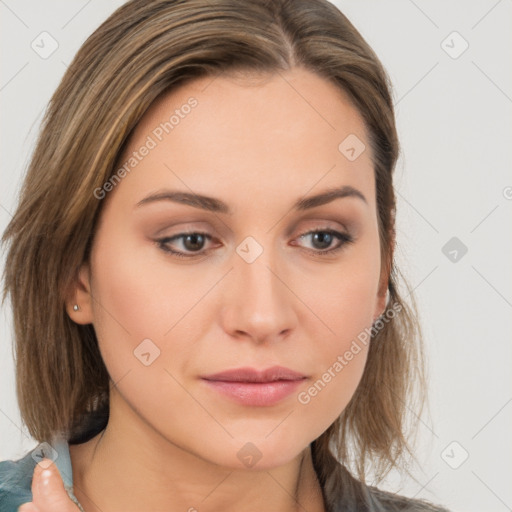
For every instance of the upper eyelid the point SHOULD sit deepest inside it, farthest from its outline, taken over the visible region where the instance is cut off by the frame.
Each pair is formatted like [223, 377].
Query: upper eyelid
[325, 224]
[207, 233]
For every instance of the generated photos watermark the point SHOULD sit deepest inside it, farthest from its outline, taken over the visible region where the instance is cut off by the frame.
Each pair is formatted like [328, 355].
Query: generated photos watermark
[151, 142]
[362, 339]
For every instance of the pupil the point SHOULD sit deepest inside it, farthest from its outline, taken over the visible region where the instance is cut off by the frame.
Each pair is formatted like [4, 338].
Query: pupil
[324, 238]
[195, 244]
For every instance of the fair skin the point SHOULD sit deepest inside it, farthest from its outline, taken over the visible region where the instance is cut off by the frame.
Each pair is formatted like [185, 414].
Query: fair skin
[172, 442]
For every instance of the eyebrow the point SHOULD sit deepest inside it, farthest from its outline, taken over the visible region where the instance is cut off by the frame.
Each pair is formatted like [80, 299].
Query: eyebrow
[212, 204]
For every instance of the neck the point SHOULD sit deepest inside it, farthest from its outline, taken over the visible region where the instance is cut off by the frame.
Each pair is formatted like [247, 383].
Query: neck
[131, 467]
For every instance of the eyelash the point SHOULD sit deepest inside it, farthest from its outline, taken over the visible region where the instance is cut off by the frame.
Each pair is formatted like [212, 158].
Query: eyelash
[344, 239]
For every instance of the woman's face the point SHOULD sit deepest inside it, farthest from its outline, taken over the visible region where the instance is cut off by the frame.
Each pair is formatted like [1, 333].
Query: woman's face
[252, 285]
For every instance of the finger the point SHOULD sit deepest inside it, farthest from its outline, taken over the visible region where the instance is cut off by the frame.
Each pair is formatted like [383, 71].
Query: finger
[28, 507]
[48, 493]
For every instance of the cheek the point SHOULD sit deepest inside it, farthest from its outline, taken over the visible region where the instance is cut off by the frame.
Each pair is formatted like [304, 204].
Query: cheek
[329, 393]
[338, 360]
[134, 302]
[344, 301]
[343, 295]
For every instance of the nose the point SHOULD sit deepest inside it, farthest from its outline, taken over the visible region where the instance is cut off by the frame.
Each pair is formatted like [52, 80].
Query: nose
[259, 304]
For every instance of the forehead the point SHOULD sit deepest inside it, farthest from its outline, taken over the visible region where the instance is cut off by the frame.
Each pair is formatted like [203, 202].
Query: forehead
[287, 130]
[298, 100]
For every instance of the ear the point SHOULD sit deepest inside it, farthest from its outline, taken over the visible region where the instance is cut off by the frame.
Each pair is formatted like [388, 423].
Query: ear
[382, 298]
[80, 294]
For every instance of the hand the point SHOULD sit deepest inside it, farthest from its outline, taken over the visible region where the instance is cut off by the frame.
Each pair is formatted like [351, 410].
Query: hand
[48, 493]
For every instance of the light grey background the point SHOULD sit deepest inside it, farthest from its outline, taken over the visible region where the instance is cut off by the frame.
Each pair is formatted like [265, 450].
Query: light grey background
[453, 180]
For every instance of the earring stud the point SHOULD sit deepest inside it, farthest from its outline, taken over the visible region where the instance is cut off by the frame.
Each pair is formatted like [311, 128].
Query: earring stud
[76, 307]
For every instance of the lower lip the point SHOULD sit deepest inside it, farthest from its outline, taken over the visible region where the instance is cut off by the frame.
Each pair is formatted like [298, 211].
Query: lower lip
[256, 393]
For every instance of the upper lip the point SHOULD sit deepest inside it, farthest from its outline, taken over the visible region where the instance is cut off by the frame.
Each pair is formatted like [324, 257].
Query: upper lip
[248, 374]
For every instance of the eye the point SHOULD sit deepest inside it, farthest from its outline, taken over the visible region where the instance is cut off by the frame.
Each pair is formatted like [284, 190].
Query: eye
[322, 239]
[193, 241]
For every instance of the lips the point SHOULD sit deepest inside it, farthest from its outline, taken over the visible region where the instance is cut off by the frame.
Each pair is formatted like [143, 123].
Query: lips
[247, 374]
[255, 388]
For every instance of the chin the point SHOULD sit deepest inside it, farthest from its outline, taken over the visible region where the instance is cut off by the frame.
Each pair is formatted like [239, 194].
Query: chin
[260, 453]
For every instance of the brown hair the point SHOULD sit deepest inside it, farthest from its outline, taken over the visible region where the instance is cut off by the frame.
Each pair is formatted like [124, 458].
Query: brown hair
[144, 49]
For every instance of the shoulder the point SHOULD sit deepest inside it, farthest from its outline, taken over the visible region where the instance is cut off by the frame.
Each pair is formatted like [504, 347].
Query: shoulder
[344, 492]
[16, 482]
[390, 502]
